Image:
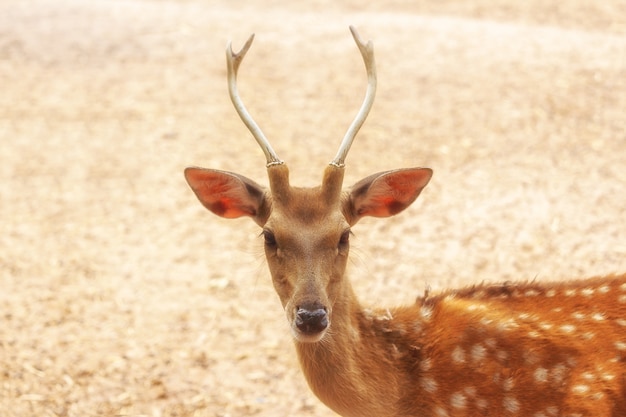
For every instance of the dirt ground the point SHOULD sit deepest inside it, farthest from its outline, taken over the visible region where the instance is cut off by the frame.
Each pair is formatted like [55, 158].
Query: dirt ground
[120, 295]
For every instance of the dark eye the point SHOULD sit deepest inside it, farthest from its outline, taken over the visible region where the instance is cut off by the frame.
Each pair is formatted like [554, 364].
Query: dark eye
[270, 239]
[345, 238]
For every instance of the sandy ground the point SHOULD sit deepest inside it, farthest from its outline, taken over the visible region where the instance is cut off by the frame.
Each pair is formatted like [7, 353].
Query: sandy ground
[121, 295]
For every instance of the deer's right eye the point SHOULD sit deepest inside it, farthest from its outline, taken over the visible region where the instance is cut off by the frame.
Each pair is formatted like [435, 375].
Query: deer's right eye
[270, 239]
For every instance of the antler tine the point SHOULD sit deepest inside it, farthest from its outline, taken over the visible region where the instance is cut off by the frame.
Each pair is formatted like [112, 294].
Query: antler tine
[232, 61]
[367, 51]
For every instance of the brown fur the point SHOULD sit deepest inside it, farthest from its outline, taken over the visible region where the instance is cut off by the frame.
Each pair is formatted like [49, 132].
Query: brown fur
[528, 349]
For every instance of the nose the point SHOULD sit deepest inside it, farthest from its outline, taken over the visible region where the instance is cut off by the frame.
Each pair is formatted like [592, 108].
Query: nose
[311, 320]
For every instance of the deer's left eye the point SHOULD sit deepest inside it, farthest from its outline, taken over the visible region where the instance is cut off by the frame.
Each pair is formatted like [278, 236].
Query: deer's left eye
[270, 239]
[345, 238]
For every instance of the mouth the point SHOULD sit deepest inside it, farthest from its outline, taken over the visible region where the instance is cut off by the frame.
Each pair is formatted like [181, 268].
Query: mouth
[307, 337]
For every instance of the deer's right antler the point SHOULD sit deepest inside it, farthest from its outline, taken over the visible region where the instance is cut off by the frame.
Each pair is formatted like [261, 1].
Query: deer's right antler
[232, 61]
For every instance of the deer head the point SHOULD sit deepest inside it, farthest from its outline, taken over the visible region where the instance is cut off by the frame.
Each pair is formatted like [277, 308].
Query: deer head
[307, 230]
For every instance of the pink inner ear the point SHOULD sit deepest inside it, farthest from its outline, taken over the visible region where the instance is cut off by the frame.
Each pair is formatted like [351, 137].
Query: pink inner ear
[223, 193]
[405, 183]
[391, 192]
[231, 208]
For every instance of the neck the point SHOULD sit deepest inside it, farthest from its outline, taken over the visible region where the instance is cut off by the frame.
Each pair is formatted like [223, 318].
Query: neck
[358, 365]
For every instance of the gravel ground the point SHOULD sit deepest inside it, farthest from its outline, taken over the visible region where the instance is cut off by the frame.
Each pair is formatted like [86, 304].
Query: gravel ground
[121, 295]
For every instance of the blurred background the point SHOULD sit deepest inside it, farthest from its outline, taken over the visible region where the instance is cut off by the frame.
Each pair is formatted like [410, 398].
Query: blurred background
[121, 295]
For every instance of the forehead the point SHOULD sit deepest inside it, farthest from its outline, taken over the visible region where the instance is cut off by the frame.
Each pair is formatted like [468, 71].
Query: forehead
[307, 207]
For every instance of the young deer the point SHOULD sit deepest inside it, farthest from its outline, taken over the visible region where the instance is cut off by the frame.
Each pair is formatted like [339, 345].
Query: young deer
[527, 350]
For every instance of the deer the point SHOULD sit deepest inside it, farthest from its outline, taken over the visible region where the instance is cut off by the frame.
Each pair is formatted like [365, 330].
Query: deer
[527, 349]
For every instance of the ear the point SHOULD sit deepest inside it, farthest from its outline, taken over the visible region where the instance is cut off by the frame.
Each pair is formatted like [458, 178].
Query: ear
[386, 193]
[227, 194]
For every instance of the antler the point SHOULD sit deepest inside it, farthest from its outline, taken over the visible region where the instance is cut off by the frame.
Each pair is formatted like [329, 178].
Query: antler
[232, 61]
[367, 51]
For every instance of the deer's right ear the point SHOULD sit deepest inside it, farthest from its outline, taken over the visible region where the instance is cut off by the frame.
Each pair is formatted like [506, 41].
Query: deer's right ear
[227, 194]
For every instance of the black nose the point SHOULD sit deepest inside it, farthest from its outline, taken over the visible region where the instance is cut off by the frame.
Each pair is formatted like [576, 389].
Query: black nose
[311, 321]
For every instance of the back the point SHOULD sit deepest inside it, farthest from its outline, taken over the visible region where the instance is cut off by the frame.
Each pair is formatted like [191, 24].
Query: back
[533, 349]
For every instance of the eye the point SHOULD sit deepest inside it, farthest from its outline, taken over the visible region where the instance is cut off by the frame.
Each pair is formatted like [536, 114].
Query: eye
[345, 238]
[270, 239]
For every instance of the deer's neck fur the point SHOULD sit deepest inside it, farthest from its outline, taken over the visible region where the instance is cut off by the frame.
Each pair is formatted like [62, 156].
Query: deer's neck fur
[346, 369]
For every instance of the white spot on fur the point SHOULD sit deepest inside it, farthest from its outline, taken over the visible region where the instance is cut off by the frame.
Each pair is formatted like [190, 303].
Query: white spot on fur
[552, 410]
[426, 312]
[426, 364]
[607, 377]
[458, 355]
[508, 324]
[587, 292]
[458, 400]
[546, 326]
[623, 287]
[604, 289]
[550, 293]
[502, 355]
[588, 335]
[570, 292]
[429, 384]
[598, 316]
[622, 298]
[481, 403]
[588, 376]
[485, 322]
[548, 412]
[580, 389]
[620, 345]
[578, 316]
[557, 373]
[531, 293]
[510, 404]
[440, 412]
[571, 362]
[478, 353]
[508, 384]
[541, 375]
[568, 328]
[621, 322]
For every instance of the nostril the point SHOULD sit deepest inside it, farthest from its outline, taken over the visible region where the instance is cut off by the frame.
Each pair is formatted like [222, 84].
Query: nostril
[311, 321]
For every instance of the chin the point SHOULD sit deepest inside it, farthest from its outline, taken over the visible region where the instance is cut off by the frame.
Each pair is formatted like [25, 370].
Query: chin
[302, 337]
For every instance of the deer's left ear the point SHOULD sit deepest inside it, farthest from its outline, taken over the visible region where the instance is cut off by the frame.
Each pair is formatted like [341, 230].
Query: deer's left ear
[227, 194]
[386, 193]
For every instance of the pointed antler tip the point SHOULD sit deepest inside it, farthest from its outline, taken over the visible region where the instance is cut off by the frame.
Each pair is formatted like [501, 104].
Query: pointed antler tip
[242, 51]
[358, 40]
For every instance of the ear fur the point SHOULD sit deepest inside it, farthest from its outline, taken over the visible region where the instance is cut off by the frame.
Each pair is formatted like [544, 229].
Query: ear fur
[227, 194]
[387, 193]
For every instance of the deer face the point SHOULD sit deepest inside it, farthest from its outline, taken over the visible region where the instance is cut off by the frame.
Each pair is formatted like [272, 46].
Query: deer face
[306, 231]
[306, 246]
